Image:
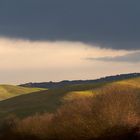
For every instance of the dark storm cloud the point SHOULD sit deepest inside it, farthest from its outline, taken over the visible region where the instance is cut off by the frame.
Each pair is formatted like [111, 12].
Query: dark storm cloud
[109, 23]
[130, 58]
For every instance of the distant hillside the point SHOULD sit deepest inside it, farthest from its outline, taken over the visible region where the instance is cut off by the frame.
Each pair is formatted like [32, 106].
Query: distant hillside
[49, 101]
[8, 91]
[51, 85]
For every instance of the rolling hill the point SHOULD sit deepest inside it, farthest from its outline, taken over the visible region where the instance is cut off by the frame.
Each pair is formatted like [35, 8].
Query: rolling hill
[8, 91]
[49, 101]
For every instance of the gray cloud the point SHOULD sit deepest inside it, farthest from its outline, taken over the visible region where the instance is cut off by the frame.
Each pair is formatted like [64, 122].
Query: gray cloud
[130, 58]
[109, 23]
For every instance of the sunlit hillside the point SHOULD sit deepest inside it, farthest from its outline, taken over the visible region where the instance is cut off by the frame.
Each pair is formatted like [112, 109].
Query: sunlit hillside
[105, 111]
[131, 82]
[99, 111]
[49, 101]
[8, 91]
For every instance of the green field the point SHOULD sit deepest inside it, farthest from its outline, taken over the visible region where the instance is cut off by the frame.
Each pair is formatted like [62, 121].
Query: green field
[9, 91]
[49, 101]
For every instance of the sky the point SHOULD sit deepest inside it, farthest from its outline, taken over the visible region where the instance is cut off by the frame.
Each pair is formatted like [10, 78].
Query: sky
[54, 40]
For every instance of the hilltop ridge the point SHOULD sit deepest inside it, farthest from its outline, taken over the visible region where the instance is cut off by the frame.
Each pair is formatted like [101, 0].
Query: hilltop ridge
[64, 83]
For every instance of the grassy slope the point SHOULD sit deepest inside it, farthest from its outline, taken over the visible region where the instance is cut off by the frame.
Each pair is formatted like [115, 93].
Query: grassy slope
[131, 82]
[8, 91]
[123, 85]
[50, 100]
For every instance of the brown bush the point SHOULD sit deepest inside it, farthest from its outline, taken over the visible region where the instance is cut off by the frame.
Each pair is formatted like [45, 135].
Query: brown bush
[113, 115]
[92, 118]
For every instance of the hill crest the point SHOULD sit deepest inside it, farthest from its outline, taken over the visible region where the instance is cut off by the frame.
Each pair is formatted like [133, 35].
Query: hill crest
[64, 83]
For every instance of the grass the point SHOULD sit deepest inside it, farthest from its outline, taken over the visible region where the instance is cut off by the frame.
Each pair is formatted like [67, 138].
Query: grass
[49, 101]
[77, 95]
[106, 116]
[9, 91]
[131, 82]
[92, 111]
[123, 86]
[39, 102]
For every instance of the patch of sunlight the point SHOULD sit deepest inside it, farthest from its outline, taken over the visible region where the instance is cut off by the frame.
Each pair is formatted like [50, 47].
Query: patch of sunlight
[78, 95]
[131, 82]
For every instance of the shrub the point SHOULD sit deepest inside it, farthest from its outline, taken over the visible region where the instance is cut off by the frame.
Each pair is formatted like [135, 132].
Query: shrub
[112, 114]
